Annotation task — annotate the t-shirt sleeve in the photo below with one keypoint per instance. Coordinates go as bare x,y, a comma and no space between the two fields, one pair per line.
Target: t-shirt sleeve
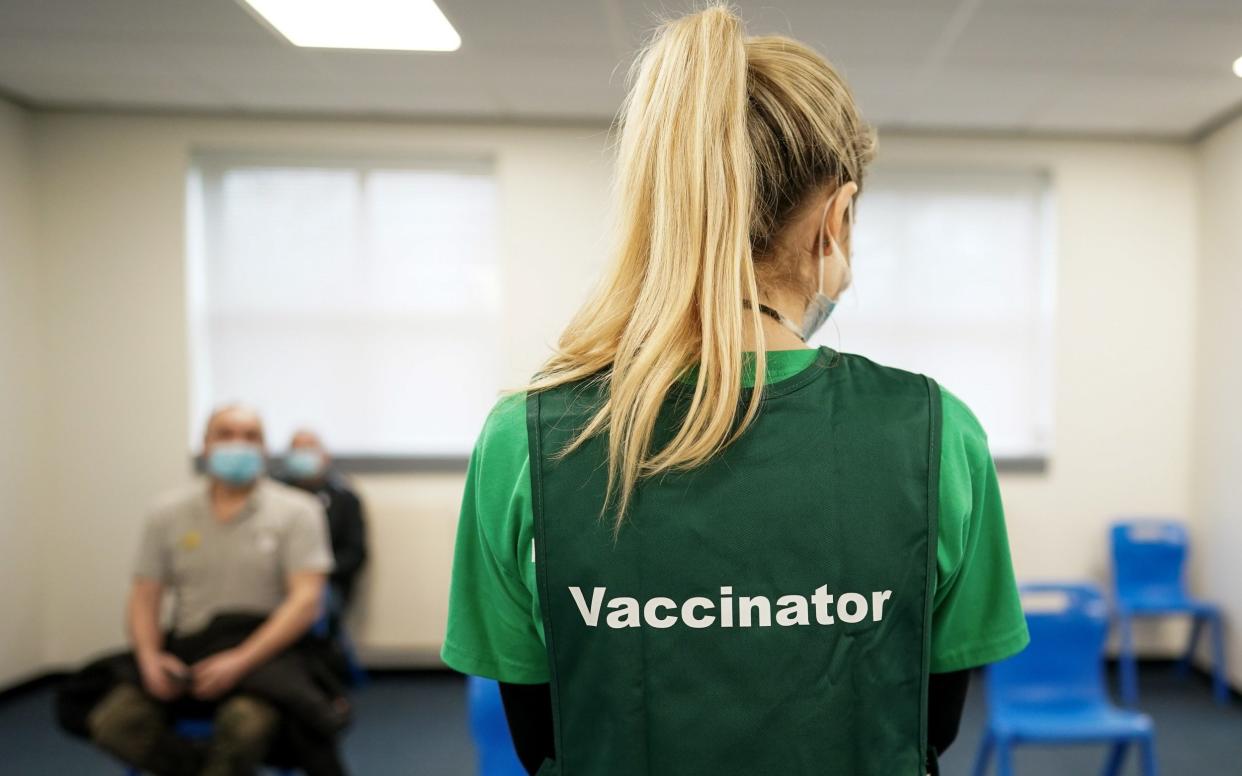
977,615
491,629
306,545
152,561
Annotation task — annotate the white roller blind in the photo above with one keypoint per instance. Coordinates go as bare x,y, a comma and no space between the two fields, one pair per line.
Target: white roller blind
360,299
953,277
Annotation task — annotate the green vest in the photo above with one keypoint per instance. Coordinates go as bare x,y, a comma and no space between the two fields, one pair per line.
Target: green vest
766,613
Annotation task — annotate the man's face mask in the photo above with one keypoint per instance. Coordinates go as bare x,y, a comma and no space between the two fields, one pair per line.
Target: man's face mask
236,463
304,464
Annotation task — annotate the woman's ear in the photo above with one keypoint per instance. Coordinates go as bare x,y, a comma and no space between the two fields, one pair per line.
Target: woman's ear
834,223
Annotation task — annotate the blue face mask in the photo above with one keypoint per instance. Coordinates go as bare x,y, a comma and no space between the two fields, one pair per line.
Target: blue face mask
236,463
822,305
304,464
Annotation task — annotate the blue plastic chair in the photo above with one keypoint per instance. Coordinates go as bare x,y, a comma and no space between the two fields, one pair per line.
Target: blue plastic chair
490,730
1149,562
1054,691
199,730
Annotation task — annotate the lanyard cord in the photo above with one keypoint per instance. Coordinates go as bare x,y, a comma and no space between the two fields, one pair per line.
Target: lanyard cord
775,315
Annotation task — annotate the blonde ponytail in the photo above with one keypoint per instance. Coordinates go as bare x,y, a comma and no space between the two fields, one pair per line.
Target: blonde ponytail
702,187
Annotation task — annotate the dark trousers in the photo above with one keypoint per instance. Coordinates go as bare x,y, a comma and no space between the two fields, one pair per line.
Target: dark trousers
131,725
287,712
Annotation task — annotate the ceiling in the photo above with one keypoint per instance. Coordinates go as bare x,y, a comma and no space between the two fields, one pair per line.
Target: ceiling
1116,67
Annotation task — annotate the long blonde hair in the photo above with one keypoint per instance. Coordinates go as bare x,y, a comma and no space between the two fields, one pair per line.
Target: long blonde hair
723,140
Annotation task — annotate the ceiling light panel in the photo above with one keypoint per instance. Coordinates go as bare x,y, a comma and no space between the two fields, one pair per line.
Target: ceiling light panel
391,25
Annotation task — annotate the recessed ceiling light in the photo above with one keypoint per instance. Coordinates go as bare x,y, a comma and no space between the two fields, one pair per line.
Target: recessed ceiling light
1237,67
394,25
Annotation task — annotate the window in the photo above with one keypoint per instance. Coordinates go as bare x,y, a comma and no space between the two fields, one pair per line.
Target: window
953,278
359,298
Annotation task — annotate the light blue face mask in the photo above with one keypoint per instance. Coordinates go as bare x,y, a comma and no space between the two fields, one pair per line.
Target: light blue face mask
236,463
822,305
304,464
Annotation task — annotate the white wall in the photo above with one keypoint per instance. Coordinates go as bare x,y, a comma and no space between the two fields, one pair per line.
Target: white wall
1126,251
1218,440
111,195
21,388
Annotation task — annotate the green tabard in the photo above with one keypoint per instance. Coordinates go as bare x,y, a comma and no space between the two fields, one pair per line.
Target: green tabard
766,613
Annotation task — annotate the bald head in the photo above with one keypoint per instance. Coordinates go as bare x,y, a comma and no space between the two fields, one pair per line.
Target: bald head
305,439
233,423
307,460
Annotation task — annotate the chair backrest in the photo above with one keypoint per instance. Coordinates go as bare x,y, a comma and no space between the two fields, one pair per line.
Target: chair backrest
1149,559
492,741
1064,664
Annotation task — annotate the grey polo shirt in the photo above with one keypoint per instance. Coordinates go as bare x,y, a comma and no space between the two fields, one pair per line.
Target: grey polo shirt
242,565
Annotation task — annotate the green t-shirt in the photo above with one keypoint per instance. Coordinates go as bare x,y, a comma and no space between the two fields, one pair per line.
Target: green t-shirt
495,627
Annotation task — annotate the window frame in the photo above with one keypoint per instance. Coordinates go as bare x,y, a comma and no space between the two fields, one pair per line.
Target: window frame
204,170
1036,463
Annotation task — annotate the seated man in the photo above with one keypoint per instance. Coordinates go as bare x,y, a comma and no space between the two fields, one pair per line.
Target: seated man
309,467
245,559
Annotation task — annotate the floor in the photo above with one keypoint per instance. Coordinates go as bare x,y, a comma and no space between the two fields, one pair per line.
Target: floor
416,724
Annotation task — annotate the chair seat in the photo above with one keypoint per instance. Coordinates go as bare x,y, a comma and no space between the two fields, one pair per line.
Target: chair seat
1090,722
1166,604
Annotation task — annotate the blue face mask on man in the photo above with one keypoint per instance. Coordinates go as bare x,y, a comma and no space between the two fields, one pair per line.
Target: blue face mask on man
236,463
304,464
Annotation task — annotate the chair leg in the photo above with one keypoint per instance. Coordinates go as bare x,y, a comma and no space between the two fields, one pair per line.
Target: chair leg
1196,628
984,754
1116,758
1128,665
1220,685
357,674
1004,758
1147,749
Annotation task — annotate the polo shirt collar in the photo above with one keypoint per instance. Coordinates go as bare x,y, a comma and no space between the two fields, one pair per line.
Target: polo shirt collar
253,501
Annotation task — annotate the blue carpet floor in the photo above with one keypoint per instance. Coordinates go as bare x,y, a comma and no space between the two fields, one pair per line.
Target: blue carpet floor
416,724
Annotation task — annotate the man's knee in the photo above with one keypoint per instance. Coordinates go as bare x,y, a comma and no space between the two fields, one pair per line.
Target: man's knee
245,721
126,722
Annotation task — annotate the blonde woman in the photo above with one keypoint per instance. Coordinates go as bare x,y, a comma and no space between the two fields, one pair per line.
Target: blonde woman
694,545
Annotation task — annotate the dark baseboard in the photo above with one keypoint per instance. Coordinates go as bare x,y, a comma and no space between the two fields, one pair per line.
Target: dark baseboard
1198,672
50,679
34,684
407,673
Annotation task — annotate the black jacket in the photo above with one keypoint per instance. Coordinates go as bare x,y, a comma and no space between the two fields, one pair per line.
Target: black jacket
347,527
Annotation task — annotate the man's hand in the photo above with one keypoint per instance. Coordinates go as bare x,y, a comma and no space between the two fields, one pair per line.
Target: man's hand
163,675
218,674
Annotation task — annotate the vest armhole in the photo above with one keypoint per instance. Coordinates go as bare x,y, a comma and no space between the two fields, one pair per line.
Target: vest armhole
934,411
534,433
